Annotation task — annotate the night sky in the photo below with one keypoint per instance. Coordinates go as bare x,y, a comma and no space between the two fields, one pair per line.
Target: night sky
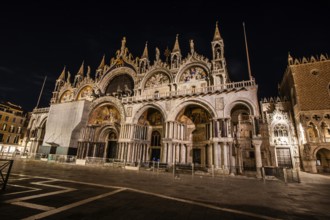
39,37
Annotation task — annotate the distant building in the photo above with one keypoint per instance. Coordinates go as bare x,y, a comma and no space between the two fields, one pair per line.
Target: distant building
306,82
12,119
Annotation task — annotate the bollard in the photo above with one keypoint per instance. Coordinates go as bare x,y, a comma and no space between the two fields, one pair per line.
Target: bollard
174,170
153,166
285,175
263,173
212,170
298,176
193,171
157,167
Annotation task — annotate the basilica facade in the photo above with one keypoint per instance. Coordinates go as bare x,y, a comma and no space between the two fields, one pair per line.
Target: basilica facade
182,110
186,110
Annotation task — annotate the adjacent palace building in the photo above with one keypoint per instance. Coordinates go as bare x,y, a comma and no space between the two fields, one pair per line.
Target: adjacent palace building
187,110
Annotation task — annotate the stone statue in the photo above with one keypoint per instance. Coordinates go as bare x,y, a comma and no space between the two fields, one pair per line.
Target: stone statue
88,72
127,91
192,47
123,44
157,54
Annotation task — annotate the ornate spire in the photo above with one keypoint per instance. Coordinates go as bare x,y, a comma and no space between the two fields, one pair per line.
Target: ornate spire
290,59
102,64
176,47
68,79
62,76
145,51
81,69
217,35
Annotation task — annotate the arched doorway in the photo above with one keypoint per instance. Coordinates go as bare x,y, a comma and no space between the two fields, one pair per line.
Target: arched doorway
111,146
194,124
323,161
242,153
99,137
150,128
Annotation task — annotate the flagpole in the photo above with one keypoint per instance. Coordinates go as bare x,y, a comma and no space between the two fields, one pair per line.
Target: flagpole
42,89
247,53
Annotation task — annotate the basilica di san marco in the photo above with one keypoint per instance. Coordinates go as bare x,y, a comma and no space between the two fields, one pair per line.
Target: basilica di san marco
178,110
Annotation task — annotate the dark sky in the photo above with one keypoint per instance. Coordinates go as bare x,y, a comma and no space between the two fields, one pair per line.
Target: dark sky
38,38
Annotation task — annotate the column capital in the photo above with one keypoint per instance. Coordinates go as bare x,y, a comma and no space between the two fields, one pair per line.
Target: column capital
257,142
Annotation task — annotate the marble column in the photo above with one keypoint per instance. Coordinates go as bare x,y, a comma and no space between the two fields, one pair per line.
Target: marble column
257,145
164,153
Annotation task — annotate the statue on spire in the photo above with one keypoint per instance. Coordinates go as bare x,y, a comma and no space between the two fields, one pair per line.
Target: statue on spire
192,47
157,54
123,45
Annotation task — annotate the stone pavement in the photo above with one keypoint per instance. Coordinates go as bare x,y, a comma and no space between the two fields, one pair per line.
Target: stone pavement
59,191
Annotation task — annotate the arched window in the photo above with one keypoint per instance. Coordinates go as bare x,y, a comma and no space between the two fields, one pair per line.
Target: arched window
280,130
155,138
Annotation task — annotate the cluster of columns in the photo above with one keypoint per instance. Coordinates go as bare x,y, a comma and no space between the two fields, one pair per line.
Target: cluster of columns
133,131
176,130
134,144
133,152
90,149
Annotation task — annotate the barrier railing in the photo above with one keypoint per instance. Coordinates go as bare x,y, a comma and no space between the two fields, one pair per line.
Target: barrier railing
5,168
287,175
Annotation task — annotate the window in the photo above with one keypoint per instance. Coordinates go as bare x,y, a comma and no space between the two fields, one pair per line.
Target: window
0,117
14,119
7,118
315,72
19,130
8,139
16,140
4,127
1,137
280,130
12,129
21,121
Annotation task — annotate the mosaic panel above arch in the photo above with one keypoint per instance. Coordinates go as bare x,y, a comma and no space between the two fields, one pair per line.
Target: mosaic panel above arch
193,73
85,93
105,114
66,96
156,80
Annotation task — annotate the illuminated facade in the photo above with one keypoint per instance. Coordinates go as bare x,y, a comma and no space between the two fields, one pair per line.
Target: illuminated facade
182,110
12,121
306,82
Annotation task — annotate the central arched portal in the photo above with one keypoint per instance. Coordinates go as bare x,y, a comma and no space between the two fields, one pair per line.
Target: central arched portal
152,121
194,134
99,138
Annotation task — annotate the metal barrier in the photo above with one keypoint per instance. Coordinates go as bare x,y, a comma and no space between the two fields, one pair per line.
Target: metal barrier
5,168
284,174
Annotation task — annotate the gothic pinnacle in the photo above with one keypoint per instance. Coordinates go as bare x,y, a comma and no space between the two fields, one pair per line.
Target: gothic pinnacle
62,76
145,51
81,69
102,64
176,47
217,35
